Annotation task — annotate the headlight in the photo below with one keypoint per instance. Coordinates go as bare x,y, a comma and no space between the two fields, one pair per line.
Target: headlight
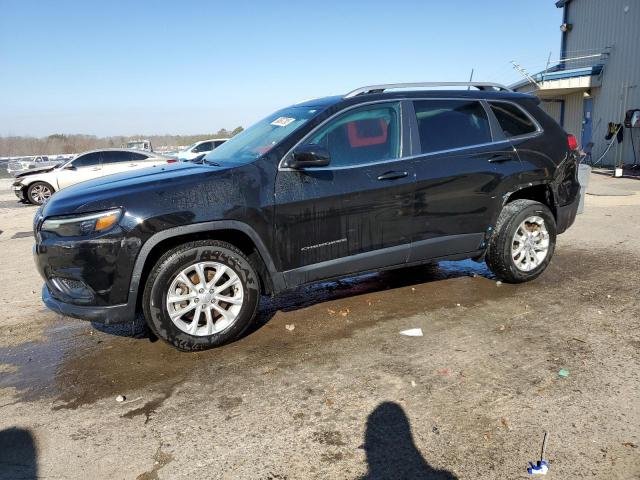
82,225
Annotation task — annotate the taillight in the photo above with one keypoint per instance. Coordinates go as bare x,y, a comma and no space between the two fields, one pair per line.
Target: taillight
172,160
572,142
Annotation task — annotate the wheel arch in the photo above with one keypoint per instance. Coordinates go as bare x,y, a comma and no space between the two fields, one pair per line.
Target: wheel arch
541,192
239,234
27,186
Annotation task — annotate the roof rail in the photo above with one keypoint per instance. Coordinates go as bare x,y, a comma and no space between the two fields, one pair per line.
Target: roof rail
382,88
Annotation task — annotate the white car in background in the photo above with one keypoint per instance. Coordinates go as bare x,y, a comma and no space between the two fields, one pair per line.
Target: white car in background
36,187
198,148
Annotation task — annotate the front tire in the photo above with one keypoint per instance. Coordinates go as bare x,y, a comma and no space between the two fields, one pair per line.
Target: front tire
39,192
201,295
523,241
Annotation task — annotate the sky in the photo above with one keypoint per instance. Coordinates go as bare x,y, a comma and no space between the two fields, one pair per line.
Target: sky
187,67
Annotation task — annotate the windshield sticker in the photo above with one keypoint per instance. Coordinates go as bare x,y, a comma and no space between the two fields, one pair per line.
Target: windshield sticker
282,121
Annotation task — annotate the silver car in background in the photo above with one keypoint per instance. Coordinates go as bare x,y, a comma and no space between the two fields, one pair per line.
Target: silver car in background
21,165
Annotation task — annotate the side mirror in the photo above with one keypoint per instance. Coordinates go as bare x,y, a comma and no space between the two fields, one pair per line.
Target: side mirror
199,158
310,155
70,167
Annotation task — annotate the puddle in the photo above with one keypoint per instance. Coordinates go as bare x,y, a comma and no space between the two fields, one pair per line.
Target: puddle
78,364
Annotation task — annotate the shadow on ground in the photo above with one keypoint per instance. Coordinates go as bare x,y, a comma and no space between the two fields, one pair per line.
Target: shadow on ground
18,456
391,452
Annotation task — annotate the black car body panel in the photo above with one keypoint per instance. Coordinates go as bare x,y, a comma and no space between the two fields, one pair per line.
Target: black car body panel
312,224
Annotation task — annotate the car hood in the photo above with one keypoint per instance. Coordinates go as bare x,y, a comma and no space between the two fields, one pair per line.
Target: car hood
107,191
35,170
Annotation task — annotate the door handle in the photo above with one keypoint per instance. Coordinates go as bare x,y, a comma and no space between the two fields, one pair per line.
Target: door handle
133,164
500,158
392,175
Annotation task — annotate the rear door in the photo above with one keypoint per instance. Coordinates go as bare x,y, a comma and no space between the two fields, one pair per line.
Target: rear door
356,213
117,161
460,176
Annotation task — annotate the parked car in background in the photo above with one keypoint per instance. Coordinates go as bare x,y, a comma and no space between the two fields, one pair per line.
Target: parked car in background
39,162
375,179
200,148
140,145
37,186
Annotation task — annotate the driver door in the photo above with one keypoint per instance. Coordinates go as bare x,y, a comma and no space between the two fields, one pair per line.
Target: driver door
85,167
354,214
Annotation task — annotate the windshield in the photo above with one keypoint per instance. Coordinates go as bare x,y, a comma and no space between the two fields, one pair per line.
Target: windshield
262,136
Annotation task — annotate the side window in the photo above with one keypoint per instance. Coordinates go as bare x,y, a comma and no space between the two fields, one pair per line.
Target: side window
217,144
135,156
115,156
204,147
447,124
513,121
88,160
364,135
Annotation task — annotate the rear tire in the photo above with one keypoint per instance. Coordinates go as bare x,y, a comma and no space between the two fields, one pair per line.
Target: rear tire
218,307
523,241
39,192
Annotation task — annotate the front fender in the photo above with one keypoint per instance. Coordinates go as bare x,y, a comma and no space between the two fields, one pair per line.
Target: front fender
277,278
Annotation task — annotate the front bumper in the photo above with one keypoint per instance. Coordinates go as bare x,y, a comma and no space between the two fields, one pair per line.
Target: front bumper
103,314
19,192
566,215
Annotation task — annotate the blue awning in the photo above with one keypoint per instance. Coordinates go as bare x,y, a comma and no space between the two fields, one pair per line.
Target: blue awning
572,73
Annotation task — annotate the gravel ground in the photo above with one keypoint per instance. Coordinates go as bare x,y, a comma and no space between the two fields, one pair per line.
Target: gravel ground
342,394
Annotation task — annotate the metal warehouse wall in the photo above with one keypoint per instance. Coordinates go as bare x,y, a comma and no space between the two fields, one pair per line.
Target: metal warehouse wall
598,24
573,114
553,109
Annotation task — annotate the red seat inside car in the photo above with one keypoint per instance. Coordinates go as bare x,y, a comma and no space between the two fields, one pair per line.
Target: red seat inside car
368,132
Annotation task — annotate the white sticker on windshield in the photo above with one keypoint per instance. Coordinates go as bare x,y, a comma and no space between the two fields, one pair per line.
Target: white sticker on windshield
282,121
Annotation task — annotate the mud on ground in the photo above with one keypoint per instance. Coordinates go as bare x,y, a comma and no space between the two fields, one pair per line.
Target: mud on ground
342,394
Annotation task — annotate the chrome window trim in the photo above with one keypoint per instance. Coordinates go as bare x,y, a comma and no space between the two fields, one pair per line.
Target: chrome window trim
508,140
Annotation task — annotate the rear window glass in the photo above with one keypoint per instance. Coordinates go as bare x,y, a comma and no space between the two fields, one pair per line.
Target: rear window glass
114,156
88,160
514,122
138,156
448,124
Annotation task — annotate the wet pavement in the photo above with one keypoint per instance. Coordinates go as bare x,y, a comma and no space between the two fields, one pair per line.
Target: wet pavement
79,363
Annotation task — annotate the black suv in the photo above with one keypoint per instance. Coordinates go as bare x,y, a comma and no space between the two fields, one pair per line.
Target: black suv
384,177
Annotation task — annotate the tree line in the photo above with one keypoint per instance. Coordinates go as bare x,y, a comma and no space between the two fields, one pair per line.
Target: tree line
58,144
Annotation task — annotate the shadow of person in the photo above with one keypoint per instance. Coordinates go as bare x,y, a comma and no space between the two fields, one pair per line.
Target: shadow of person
391,453
17,455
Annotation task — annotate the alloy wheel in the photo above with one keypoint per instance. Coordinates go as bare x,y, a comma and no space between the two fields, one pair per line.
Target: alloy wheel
530,244
40,193
205,298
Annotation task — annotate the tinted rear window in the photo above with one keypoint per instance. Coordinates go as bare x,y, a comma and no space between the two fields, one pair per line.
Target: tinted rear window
114,156
138,156
513,121
447,124
88,160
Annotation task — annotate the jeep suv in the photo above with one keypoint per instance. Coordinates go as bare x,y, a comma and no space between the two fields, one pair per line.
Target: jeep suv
384,177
